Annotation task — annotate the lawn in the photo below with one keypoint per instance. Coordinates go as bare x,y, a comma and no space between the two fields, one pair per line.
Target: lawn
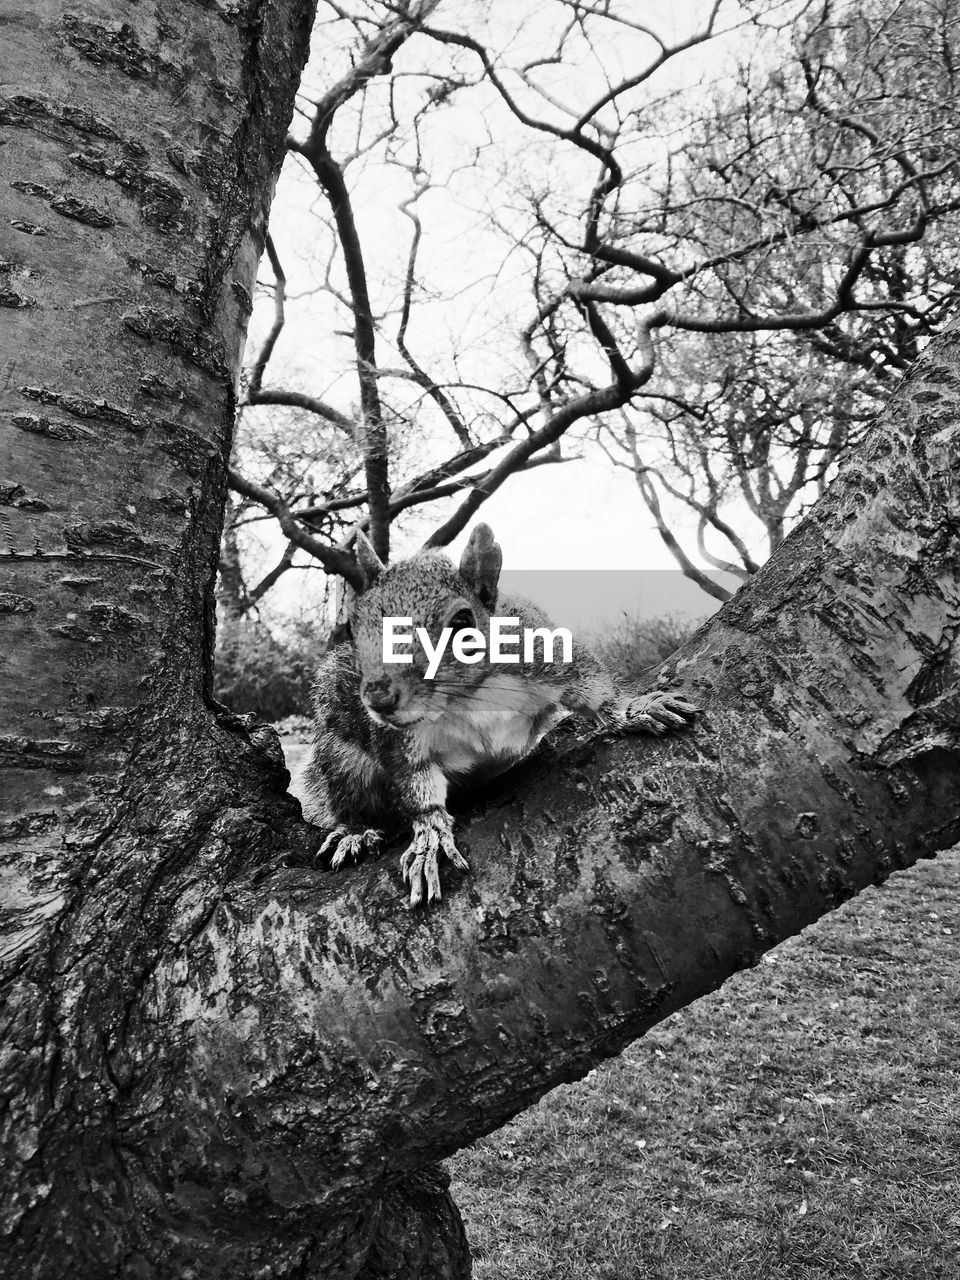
801,1122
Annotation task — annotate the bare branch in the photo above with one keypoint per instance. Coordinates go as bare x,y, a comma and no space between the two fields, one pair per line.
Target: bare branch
665,54
266,351
726,566
297,400
373,61
420,376
594,402
266,582
333,559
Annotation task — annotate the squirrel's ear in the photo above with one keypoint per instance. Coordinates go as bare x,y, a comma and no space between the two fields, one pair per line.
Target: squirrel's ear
480,565
368,562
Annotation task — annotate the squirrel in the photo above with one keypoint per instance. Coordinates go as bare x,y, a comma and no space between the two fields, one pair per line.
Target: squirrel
390,738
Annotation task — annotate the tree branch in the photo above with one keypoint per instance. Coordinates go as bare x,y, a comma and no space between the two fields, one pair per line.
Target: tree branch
825,759
279,295
651,501
598,401
420,376
332,558
374,435
297,400
374,60
266,582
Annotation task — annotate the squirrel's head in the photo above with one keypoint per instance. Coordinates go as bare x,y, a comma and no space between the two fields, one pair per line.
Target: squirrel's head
435,595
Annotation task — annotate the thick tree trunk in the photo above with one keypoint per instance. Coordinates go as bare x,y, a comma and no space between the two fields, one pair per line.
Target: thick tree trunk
213,1066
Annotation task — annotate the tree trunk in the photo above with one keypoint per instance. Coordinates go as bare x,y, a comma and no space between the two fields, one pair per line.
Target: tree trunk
216,1065
232,591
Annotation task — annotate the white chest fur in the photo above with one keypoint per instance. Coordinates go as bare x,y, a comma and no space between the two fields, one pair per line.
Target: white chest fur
497,724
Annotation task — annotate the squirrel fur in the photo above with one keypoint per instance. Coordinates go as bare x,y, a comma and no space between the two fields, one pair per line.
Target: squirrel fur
389,742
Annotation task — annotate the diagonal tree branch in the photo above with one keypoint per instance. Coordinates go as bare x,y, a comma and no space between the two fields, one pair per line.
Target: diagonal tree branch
333,559
585,406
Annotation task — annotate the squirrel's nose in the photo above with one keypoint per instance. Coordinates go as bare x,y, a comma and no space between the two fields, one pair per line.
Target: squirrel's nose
381,695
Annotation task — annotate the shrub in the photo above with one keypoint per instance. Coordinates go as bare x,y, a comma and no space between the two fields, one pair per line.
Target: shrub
634,644
258,671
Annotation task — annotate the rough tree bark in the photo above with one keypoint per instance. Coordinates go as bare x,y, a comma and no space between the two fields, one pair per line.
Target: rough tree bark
215,1066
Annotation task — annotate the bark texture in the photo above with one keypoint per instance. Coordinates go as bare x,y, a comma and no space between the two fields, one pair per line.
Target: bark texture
213,1064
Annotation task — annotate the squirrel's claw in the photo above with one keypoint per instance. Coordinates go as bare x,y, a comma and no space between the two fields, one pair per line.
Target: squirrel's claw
420,862
347,844
657,712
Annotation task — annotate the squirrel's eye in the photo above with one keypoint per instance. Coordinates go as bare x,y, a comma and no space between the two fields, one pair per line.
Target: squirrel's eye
461,620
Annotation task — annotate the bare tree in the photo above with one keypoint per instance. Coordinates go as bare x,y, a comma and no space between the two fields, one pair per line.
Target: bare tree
370,436
218,1064
837,171
723,281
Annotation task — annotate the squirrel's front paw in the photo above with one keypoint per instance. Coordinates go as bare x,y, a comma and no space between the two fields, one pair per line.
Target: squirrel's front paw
419,864
657,712
344,844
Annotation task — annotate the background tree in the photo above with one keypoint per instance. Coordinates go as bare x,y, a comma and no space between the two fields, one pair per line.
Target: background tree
213,1064
721,243
840,166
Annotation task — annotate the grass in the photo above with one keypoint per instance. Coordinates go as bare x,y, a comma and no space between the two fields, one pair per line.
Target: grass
802,1122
